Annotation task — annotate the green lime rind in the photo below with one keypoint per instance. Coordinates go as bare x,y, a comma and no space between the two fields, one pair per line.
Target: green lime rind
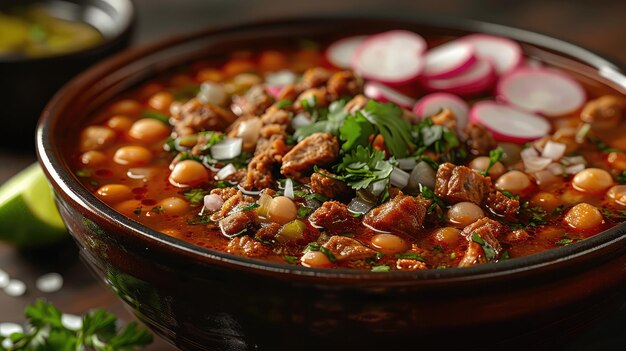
28,214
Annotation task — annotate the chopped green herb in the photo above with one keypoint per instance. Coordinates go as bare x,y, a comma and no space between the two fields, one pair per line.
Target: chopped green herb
195,196
262,241
158,209
381,268
283,103
494,157
223,184
291,259
536,215
155,115
453,255
246,207
330,124
363,167
396,131
328,253
427,193
437,248
170,145
490,253
199,220
188,156
311,247
613,214
411,256
84,173
558,211
239,233
186,92
355,131
349,235
602,146
621,178
304,211
564,242
137,211
505,256
510,195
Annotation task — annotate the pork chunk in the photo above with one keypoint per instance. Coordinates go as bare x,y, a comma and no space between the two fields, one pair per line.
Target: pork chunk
344,83
344,248
479,140
194,117
459,183
247,246
334,217
503,205
403,214
488,231
254,102
268,153
316,149
445,118
239,223
328,187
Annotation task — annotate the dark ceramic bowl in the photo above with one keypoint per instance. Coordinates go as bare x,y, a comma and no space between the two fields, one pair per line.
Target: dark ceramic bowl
29,83
200,299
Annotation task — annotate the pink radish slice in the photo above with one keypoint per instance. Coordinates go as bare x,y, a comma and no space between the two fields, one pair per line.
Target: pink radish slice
541,90
480,77
508,123
274,90
393,58
448,60
504,53
384,93
431,104
340,52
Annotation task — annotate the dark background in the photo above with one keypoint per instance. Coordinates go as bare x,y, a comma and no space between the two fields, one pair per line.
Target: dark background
597,25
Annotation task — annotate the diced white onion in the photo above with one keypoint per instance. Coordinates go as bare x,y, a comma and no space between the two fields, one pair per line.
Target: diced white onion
399,178
529,152
211,93
556,168
213,202
545,177
289,189
422,174
227,148
360,206
300,120
573,160
226,172
407,164
553,150
249,130
6,329
15,288
248,192
49,283
574,169
282,77
377,188
71,322
536,163
4,279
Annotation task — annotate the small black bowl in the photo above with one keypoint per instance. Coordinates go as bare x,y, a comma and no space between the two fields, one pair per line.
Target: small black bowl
28,83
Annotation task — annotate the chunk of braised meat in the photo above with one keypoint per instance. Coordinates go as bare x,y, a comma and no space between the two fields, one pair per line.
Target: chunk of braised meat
239,223
357,103
503,206
254,102
315,150
403,213
225,193
247,246
516,236
273,129
334,217
194,117
314,78
445,118
275,115
268,231
479,140
268,153
344,83
288,92
488,230
229,204
344,248
314,97
459,183
327,186
410,265
605,112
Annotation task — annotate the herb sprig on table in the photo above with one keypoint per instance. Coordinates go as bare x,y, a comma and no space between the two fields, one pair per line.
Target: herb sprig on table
98,331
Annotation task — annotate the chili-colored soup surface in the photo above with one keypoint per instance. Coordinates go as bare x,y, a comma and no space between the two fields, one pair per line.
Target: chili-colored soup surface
278,155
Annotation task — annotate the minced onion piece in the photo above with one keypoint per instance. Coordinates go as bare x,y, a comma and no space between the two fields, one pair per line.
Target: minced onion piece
300,120
227,148
248,192
249,130
49,283
226,172
535,163
574,169
4,279
6,329
422,174
211,93
528,152
213,202
545,177
289,189
399,178
377,188
15,288
407,164
71,321
360,206
553,150
573,160
556,168
282,77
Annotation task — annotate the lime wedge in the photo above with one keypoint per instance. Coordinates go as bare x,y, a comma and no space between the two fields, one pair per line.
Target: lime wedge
28,214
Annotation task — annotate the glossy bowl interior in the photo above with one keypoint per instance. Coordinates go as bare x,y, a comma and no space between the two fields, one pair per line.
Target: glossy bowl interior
202,299
29,83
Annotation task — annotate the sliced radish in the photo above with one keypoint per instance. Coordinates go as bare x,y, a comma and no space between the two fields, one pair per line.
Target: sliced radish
477,79
431,104
505,54
274,90
384,93
393,57
449,60
508,123
340,52
541,90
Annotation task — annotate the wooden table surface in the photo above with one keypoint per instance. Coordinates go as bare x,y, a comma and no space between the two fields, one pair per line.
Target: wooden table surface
598,25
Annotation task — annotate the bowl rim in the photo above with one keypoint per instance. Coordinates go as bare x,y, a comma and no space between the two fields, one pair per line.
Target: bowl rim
63,179
129,11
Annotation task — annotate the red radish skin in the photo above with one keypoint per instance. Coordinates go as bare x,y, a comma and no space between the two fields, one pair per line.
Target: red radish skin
431,104
479,78
340,53
507,123
274,90
384,93
393,58
449,60
541,90
505,54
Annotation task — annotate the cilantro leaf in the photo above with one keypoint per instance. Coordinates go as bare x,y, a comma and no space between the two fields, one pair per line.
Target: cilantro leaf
155,115
363,167
355,131
381,268
494,157
411,256
387,117
490,252
195,196
334,119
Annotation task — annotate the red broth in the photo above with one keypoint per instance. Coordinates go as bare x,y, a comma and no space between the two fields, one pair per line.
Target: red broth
130,156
